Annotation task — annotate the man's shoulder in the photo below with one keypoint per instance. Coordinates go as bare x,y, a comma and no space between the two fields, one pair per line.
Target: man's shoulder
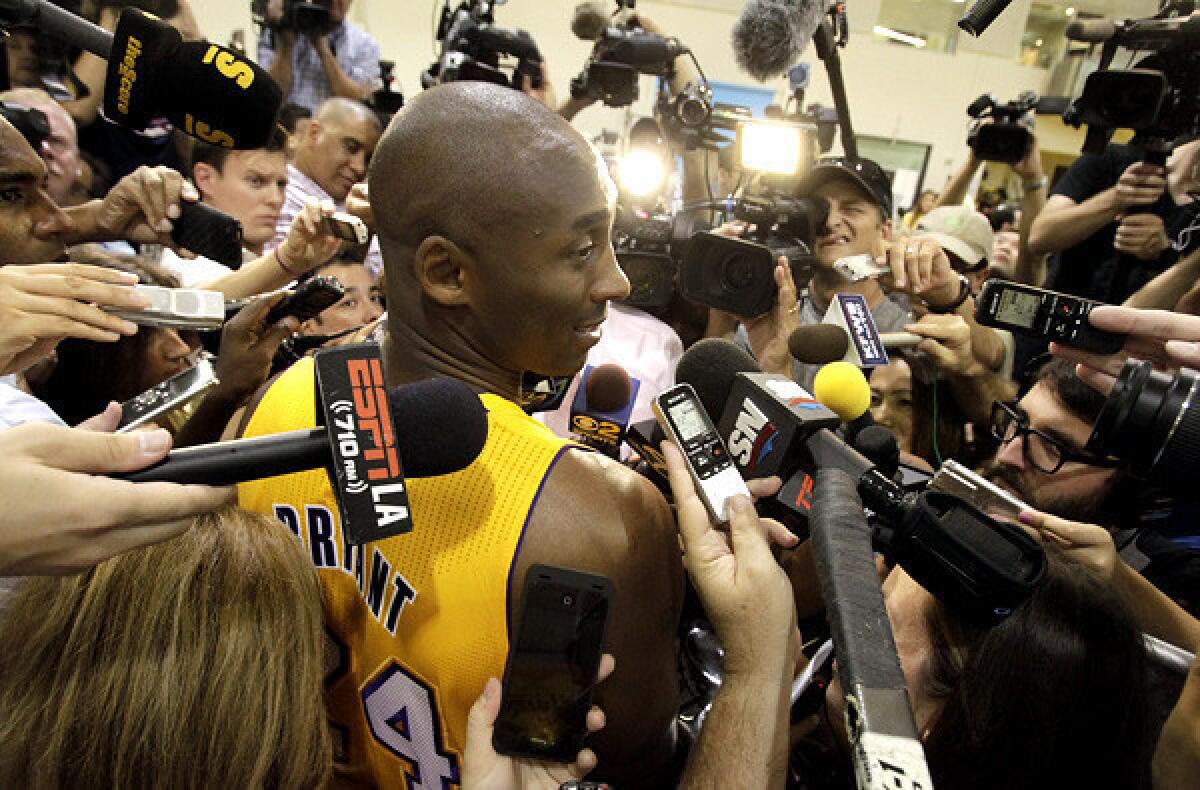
592,486
358,36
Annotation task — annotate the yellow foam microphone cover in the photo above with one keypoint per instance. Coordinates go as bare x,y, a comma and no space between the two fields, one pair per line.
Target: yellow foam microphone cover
842,387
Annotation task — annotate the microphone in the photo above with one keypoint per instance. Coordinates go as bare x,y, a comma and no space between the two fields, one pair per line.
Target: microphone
770,35
590,21
821,344
602,405
1091,31
210,92
646,438
981,15
440,427
844,389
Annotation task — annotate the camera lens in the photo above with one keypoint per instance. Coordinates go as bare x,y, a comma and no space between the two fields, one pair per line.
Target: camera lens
568,600
737,272
1149,421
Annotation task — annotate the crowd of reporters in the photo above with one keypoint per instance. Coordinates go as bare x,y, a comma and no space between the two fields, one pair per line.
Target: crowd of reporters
1060,691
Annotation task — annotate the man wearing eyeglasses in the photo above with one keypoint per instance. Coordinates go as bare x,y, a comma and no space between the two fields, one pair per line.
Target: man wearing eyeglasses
1041,457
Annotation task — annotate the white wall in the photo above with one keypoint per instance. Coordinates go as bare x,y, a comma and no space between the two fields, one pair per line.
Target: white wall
894,90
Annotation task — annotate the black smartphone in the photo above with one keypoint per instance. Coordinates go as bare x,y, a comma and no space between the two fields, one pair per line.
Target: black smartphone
309,299
1048,315
206,231
552,664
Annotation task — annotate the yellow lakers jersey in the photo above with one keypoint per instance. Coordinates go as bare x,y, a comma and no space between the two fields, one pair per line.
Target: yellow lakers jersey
419,619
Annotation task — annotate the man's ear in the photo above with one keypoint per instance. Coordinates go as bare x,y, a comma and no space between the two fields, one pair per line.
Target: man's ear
310,132
204,174
888,230
442,269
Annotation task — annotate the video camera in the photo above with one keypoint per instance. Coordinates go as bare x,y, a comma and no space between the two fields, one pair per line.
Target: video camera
1007,137
738,274
650,247
31,122
472,47
385,100
305,17
620,55
1159,98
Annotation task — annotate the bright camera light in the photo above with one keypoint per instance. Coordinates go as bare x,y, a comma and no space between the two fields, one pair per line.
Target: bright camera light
770,147
641,173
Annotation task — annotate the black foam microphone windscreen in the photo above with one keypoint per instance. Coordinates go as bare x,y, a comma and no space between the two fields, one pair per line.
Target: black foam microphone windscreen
206,90
590,21
608,388
440,427
818,344
710,366
770,35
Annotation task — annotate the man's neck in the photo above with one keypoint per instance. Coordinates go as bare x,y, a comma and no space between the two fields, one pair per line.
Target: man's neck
409,357
826,283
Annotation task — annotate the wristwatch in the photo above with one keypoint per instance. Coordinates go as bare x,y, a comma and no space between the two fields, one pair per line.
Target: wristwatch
964,291
1033,186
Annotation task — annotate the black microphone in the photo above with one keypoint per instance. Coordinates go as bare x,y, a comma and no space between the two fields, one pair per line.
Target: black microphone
770,35
981,15
590,21
440,427
210,92
878,444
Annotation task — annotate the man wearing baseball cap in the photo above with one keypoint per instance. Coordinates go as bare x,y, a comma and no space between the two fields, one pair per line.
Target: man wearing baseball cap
860,222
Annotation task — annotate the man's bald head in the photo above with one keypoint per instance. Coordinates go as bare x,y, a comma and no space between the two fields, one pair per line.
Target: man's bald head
468,161
336,146
495,219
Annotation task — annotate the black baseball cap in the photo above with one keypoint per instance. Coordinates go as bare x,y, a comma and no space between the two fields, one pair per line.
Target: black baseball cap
864,173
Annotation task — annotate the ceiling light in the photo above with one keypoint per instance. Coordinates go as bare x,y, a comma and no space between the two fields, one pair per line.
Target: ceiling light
896,35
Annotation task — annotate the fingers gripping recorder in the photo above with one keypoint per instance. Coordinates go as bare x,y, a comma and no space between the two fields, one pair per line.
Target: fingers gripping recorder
369,439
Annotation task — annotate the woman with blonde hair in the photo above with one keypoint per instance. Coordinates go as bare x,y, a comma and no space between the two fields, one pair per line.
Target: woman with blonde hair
193,663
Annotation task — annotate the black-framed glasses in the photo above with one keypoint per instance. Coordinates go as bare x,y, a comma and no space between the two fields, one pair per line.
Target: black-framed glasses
1043,451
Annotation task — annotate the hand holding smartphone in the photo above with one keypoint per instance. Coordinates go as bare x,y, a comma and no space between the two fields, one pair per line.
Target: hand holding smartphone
1044,314
552,664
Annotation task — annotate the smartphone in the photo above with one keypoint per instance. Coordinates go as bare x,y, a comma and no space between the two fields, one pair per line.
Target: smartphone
346,227
206,231
171,403
310,298
552,664
860,267
178,308
684,420
1044,314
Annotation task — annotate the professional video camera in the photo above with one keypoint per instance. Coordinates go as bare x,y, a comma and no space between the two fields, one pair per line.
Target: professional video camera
1151,421
649,247
1159,98
738,274
620,55
299,16
1006,138
386,100
472,46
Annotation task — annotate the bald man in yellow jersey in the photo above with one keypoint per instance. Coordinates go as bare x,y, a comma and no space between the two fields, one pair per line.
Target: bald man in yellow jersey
494,217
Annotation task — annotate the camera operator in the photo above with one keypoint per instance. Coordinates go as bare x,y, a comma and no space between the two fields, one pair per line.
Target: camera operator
1115,203
1027,266
859,222
342,60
